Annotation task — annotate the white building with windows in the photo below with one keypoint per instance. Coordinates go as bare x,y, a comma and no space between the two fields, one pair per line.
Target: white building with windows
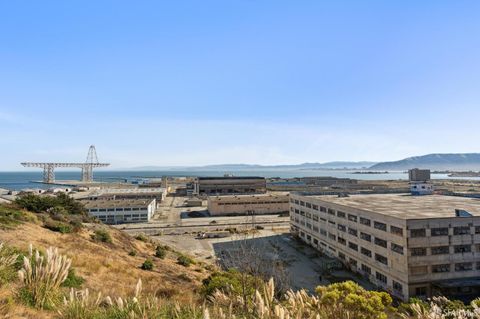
408,245
121,211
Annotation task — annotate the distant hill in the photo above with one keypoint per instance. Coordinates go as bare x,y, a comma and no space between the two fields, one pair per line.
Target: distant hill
452,162
230,167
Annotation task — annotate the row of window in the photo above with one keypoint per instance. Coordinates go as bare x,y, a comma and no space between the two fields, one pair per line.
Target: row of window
252,203
442,250
353,232
443,231
94,210
351,217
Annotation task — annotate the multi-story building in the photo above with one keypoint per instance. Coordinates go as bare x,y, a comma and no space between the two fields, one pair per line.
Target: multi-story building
248,204
156,193
228,185
408,245
121,211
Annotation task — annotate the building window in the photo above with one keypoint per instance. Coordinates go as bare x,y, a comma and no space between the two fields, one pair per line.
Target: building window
342,227
442,231
332,236
341,214
352,218
366,269
418,251
365,221
379,225
441,268
380,242
302,203
381,277
353,262
353,246
463,266
477,229
297,202
366,237
341,256
308,205
315,207
397,286
315,218
440,250
315,228
381,259
352,232
331,211
418,270
323,209
421,291
462,249
342,241
396,248
462,230
414,233
396,230
366,252
323,232
331,222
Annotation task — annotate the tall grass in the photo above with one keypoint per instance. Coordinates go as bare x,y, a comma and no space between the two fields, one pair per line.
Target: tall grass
7,264
42,276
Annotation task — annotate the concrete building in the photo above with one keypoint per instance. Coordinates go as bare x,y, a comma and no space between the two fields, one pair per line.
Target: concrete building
121,211
420,182
156,193
228,185
409,245
248,204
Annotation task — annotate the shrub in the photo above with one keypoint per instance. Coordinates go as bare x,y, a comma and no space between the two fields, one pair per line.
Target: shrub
147,264
132,253
142,237
58,227
231,280
41,277
160,252
102,235
72,280
11,216
185,260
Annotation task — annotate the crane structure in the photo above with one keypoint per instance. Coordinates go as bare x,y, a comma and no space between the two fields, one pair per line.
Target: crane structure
87,167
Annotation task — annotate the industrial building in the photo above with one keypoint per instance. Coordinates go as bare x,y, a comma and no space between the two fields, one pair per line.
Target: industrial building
420,183
121,211
228,185
408,245
248,204
156,193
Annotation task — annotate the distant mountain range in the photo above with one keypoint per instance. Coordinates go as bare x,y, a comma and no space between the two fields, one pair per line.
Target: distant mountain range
452,162
237,167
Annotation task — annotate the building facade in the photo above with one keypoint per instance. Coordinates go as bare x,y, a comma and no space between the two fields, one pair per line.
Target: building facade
248,204
407,245
121,211
228,185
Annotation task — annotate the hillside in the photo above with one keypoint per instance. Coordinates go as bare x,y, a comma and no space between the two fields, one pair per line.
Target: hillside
110,268
452,162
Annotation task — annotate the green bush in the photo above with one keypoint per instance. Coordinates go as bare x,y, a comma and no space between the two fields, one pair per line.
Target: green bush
142,237
185,260
11,216
147,264
132,253
160,252
58,227
102,235
229,280
73,281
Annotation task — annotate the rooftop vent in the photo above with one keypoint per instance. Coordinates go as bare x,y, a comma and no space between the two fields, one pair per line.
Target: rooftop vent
462,213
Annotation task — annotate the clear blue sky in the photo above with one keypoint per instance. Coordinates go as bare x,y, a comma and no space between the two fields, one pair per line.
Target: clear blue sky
208,82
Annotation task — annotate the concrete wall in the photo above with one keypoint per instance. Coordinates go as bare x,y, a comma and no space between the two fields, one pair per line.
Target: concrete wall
243,204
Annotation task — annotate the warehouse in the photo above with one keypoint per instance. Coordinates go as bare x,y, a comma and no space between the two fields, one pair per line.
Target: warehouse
121,211
248,204
408,245
228,185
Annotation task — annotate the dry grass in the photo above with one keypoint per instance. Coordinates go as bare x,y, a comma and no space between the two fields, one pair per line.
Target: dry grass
108,268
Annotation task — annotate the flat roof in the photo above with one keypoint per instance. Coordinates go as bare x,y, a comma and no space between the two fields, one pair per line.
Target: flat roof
207,178
406,206
146,190
123,203
230,197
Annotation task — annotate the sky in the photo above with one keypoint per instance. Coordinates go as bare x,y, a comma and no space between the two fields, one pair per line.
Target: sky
173,83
